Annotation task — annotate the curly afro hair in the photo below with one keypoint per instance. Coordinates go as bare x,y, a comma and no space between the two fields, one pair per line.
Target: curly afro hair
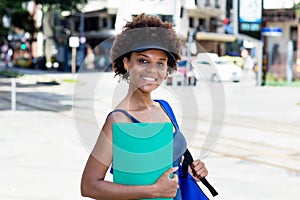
145,29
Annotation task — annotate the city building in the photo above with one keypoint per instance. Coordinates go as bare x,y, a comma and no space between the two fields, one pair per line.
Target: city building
102,19
209,22
276,45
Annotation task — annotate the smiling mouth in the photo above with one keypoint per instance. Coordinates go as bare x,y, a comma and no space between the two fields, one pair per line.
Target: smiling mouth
148,78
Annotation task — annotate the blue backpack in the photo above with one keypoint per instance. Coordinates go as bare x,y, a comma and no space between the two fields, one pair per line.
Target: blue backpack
190,189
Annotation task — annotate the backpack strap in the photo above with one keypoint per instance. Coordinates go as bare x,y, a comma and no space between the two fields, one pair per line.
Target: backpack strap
169,111
188,160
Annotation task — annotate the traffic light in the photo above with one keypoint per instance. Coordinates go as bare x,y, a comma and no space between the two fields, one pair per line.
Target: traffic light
23,46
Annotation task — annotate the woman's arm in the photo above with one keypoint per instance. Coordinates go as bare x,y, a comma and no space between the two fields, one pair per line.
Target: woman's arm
93,184
98,188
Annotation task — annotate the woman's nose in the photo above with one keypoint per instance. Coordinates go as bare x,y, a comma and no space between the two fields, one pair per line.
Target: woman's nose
150,67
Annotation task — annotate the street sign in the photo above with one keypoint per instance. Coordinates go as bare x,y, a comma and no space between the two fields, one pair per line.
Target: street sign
271,31
74,42
250,18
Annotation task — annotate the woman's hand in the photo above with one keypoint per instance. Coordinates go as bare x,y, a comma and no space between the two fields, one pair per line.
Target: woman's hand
198,170
166,186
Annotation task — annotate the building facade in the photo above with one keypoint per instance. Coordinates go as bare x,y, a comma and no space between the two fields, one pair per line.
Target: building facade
277,49
102,19
206,20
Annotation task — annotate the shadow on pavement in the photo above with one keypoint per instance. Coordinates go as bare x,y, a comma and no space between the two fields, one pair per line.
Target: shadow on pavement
36,101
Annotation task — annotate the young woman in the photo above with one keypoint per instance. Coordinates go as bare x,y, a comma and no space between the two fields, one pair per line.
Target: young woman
143,53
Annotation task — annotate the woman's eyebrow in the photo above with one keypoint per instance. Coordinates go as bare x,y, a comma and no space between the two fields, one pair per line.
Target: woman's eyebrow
141,54
164,59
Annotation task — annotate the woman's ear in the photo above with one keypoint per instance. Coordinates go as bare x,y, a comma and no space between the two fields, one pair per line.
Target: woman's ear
125,62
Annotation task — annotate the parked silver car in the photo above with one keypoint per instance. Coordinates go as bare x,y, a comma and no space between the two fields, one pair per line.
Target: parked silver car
211,67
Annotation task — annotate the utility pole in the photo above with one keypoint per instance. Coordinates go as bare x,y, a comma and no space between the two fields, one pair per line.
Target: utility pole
82,38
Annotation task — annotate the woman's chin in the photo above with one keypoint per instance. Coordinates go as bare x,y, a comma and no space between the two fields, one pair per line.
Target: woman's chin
148,87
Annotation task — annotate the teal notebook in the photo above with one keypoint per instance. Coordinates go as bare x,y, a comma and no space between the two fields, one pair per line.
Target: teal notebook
142,152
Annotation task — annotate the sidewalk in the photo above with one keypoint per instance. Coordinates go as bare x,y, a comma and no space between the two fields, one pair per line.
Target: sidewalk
43,158
43,155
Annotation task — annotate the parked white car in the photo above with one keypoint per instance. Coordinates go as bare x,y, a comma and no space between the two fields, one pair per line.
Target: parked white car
209,66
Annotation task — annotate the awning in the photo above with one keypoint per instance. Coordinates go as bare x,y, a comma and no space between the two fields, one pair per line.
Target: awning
104,33
219,37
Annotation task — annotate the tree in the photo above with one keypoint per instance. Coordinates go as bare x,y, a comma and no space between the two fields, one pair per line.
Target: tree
297,9
71,5
19,17
49,7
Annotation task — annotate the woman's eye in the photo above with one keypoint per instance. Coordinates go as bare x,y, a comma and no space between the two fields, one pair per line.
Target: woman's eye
143,61
160,64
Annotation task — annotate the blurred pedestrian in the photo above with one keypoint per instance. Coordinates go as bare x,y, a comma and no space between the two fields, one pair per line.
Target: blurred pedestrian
89,60
249,66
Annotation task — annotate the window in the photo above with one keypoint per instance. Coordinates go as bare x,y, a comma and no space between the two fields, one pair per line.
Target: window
91,24
217,5
191,22
113,21
207,3
213,24
168,18
294,36
201,25
104,23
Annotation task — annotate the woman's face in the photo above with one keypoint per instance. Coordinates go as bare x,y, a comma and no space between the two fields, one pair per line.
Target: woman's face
147,69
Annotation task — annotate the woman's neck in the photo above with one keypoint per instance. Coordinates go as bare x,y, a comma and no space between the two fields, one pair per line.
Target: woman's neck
138,100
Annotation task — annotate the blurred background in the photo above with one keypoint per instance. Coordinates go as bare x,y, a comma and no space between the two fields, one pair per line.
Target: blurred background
36,34
248,48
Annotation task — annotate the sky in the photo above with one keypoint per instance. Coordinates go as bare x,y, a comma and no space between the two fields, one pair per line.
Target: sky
270,4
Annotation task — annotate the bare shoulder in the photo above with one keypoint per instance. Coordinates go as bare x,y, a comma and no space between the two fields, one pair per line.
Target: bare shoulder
116,117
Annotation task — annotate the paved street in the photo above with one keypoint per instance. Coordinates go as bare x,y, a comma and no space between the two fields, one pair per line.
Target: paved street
44,144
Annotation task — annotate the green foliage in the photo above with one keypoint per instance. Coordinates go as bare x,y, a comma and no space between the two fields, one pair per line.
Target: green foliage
6,7
273,80
23,20
3,31
70,5
297,8
20,17
70,80
10,73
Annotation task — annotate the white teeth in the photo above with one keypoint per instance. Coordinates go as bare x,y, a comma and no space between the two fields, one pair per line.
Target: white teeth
149,79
